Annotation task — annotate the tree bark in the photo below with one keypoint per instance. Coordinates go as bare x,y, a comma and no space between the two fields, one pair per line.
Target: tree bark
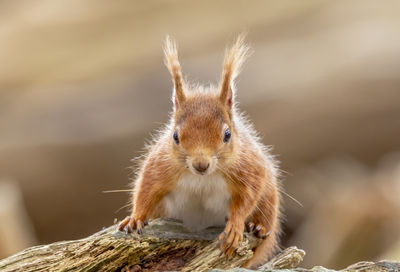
165,245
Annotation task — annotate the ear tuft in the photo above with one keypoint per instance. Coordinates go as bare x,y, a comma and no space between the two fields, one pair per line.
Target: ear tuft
172,63
233,61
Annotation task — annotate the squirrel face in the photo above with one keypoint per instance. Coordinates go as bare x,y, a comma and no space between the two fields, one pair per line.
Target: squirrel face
204,136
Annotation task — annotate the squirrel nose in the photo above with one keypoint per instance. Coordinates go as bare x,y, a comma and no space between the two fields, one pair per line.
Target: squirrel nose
201,166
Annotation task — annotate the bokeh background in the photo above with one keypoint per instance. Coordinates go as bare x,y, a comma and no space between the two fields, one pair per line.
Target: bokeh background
82,85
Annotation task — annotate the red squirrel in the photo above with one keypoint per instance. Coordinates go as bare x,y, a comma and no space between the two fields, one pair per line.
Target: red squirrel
208,167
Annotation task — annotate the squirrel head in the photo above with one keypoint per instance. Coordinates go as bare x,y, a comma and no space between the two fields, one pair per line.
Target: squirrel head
203,136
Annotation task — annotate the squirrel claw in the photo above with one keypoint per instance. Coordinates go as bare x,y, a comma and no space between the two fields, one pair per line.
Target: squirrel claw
250,227
139,226
123,223
131,224
129,229
229,240
258,230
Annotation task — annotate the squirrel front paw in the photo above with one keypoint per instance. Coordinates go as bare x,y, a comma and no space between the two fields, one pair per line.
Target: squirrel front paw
257,229
131,224
230,238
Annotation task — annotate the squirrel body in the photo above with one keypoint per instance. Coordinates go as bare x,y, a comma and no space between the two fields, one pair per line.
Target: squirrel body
208,167
199,201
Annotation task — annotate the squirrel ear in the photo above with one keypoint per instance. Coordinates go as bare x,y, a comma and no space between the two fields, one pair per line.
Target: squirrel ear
172,63
234,58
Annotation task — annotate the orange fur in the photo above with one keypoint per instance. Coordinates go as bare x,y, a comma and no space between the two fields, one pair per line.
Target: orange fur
196,134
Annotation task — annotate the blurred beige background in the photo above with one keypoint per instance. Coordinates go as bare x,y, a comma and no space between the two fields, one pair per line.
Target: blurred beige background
82,85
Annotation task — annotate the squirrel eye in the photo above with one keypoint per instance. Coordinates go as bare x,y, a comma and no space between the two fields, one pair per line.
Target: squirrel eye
227,135
176,138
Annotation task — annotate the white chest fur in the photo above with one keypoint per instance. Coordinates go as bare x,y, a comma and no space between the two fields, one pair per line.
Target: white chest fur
199,201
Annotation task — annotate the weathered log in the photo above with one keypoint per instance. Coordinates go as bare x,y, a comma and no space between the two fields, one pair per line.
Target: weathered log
165,245
290,258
